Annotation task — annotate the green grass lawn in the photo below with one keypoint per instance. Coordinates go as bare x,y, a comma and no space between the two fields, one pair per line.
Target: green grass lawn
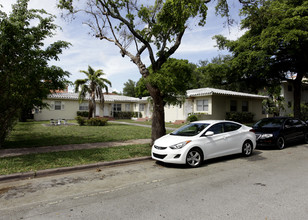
34,162
35,134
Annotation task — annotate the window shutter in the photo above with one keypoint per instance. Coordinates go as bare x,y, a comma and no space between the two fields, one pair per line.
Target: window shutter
62,105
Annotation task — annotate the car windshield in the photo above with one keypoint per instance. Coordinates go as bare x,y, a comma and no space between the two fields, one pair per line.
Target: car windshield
270,123
190,129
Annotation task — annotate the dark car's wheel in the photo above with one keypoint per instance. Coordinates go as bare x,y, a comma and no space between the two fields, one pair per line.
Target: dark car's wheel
247,148
194,157
280,143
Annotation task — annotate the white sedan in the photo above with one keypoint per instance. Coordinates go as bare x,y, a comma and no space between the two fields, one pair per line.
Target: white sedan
201,140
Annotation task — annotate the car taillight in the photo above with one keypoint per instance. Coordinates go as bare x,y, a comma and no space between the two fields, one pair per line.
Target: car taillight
252,130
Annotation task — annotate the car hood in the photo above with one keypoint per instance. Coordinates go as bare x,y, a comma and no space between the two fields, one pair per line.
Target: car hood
169,140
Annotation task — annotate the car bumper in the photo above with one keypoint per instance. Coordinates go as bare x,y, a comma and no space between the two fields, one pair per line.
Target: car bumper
266,142
169,156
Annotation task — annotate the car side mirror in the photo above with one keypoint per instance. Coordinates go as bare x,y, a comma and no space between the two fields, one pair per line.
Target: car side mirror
209,133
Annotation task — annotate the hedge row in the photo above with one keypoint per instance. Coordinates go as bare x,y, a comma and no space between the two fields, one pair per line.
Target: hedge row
241,117
92,121
126,115
83,113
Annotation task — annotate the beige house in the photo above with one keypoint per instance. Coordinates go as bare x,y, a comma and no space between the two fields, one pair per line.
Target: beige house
214,104
208,102
66,105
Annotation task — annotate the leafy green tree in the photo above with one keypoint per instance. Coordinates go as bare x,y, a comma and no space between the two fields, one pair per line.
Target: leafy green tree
143,28
129,88
173,79
275,44
93,86
154,28
26,79
219,74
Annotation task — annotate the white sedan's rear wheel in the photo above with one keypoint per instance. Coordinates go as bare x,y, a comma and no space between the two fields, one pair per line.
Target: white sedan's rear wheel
247,148
194,158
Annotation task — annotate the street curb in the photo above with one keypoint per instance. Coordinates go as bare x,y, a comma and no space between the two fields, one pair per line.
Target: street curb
61,170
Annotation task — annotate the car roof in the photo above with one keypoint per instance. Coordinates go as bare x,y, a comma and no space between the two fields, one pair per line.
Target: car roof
213,121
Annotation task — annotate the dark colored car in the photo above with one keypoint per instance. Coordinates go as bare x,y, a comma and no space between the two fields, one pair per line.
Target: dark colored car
279,131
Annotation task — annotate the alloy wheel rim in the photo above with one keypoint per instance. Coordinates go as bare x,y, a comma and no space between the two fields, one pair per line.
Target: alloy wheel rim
247,149
193,158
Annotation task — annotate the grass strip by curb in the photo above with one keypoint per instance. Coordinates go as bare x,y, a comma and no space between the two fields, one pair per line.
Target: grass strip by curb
35,162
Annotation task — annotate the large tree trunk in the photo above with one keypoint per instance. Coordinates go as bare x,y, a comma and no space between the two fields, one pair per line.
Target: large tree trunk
158,118
297,94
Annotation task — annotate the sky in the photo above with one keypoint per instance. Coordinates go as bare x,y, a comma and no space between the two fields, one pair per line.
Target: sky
197,44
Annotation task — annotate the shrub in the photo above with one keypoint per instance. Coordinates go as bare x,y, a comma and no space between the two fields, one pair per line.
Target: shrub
81,120
126,115
96,121
83,113
241,117
192,118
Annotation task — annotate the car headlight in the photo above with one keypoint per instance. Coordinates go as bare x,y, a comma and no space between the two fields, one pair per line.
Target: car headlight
179,145
265,136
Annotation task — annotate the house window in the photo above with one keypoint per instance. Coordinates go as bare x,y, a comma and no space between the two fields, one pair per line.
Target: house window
57,105
141,107
289,104
203,105
83,107
233,106
245,106
117,107
127,107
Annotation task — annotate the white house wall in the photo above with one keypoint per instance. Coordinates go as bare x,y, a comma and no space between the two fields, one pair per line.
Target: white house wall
71,107
69,112
218,105
174,112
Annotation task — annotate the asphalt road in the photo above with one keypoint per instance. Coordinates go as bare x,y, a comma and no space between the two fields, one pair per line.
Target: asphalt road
269,185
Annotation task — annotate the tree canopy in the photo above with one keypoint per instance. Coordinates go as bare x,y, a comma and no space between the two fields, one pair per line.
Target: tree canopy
129,88
25,76
151,28
173,79
274,47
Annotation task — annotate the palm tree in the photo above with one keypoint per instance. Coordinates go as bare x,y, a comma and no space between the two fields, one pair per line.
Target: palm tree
92,85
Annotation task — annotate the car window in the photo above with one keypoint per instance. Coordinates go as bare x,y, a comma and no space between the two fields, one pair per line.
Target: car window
190,129
296,122
217,128
289,123
269,123
229,126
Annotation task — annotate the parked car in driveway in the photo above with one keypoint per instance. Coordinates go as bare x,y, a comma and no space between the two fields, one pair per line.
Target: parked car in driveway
279,131
201,140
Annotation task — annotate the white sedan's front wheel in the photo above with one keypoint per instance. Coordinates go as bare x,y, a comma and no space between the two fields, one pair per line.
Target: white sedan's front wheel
194,158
